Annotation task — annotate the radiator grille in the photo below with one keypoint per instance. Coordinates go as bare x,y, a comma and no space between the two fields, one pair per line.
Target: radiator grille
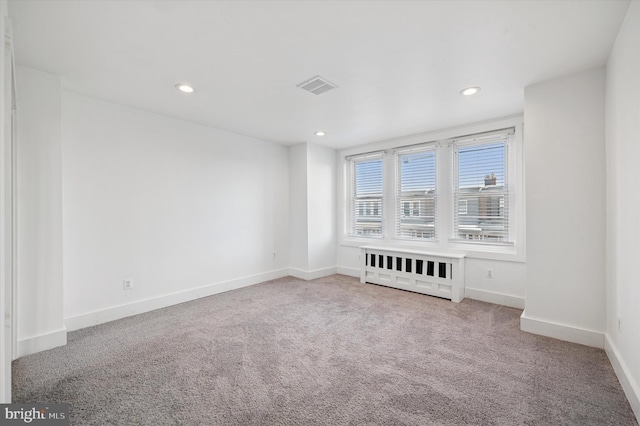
435,274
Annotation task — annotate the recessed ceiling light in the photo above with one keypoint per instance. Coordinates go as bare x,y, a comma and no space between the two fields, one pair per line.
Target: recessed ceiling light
469,91
319,133
184,88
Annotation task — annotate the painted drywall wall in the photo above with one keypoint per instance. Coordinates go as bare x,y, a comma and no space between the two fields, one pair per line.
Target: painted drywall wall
321,206
39,211
565,175
298,236
312,210
623,205
496,281
174,206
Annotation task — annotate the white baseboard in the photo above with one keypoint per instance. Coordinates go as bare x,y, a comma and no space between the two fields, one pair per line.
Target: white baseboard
496,298
42,342
629,385
122,311
562,331
312,275
351,272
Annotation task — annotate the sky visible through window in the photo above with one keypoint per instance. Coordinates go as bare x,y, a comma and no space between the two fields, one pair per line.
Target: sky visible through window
418,171
369,178
476,162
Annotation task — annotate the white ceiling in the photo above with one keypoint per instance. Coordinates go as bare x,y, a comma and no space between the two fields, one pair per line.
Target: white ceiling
399,65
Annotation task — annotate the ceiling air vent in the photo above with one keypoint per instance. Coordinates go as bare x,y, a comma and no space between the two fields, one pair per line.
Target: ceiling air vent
317,85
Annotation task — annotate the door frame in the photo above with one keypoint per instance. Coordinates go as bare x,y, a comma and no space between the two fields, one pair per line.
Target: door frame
8,205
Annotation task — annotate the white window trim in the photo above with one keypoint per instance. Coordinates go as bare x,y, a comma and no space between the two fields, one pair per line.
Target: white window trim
430,146
510,167
349,200
514,252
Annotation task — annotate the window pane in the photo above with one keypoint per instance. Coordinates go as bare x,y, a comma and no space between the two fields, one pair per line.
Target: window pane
369,177
367,197
482,192
480,165
416,203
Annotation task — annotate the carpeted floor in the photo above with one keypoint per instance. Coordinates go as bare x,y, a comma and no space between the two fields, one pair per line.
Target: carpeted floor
331,351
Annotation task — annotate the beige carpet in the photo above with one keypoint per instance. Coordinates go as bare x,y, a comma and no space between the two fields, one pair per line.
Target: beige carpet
327,352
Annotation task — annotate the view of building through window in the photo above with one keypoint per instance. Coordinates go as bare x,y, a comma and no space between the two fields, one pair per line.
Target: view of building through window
481,192
417,194
477,190
367,212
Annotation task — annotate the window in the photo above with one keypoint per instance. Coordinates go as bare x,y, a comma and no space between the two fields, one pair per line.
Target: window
416,193
366,189
451,193
481,189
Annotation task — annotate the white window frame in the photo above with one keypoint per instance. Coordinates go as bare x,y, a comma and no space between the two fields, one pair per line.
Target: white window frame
399,204
445,207
364,207
501,135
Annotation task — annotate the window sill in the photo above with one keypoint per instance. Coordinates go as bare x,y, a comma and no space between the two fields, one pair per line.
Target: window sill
350,241
500,252
503,252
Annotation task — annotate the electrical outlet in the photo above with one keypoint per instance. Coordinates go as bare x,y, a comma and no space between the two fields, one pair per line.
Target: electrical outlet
127,284
273,255
619,323
489,273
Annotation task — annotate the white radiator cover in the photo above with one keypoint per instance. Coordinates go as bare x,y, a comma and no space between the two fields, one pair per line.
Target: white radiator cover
433,273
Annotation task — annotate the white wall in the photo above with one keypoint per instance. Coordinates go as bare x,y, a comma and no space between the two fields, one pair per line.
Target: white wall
505,286
298,235
565,175
312,211
623,205
182,209
321,181
39,212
